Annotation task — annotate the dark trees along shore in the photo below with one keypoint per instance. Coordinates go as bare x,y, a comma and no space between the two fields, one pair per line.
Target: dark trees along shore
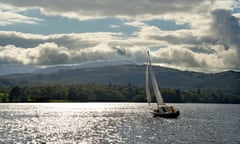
109,93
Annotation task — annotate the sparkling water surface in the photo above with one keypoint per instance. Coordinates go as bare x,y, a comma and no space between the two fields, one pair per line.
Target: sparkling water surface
117,123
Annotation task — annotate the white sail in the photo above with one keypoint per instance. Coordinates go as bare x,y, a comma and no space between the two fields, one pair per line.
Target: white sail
156,89
149,99
155,84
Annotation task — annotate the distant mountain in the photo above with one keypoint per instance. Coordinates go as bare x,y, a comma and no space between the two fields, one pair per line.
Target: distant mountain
84,65
23,69
128,74
16,69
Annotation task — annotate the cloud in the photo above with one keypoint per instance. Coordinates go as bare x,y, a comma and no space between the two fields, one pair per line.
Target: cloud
49,54
214,47
184,11
183,58
20,48
9,18
211,42
82,9
43,54
72,41
182,48
106,6
226,29
10,55
10,15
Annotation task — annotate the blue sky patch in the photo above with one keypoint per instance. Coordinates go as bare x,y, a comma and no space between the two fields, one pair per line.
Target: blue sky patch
59,25
167,25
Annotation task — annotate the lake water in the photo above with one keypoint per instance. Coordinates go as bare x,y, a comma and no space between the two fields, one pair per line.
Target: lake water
117,123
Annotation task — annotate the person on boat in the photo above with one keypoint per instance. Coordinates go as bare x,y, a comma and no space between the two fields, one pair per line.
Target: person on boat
172,109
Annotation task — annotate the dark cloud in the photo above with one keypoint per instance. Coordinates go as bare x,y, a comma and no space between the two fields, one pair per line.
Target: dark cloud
190,39
71,41
52,55
110,8
11,38
226,29
119,50
181,57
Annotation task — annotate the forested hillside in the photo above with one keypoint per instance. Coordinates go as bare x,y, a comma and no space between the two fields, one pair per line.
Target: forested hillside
134,74
119,83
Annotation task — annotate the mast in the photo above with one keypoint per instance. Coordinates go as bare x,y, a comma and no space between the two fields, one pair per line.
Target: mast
149,98
155,84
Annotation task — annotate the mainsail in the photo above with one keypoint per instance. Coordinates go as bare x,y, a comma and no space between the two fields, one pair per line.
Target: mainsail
154,83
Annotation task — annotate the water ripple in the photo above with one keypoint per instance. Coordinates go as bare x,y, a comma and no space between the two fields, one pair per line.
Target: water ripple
92,123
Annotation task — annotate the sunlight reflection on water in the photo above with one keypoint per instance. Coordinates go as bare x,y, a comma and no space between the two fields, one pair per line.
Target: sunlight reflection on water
115,123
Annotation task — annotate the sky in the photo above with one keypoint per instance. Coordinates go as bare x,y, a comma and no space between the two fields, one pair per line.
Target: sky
198,35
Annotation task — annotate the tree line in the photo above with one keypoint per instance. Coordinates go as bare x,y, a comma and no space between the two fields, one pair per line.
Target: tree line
110,93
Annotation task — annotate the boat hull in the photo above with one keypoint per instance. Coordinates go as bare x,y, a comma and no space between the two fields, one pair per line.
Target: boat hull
166,114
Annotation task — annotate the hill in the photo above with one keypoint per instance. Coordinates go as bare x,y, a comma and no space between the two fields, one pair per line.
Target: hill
128,74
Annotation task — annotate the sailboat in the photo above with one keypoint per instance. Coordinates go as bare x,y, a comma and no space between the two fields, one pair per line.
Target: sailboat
162,110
